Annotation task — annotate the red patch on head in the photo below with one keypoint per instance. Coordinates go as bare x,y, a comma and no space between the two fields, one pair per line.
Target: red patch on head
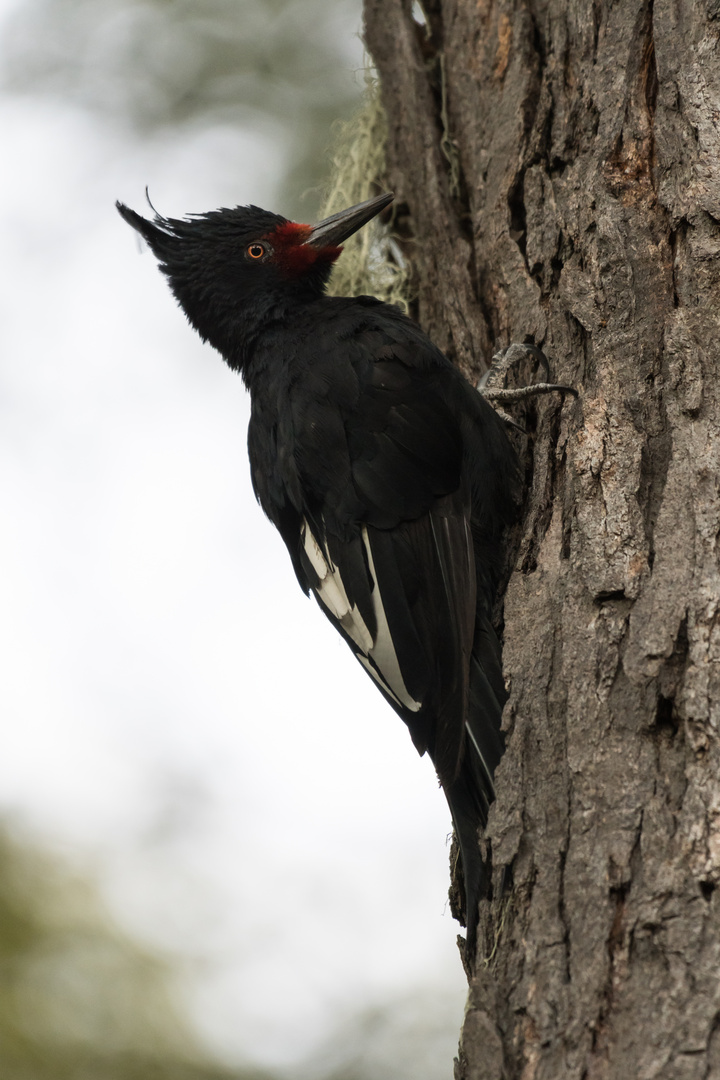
292,255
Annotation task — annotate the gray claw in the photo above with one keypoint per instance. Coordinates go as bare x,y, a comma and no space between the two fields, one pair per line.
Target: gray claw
501,364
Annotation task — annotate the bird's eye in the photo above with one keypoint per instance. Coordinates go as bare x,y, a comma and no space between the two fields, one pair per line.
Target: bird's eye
256,251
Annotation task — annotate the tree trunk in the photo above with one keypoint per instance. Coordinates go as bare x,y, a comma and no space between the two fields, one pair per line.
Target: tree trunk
560,165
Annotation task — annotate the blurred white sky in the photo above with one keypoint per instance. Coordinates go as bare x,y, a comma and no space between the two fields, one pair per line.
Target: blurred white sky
176,714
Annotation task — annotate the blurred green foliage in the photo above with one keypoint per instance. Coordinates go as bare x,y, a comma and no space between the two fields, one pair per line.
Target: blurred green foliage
79,1000
286,67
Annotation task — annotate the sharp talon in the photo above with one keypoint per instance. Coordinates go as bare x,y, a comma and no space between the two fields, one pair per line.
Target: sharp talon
509,420
501,363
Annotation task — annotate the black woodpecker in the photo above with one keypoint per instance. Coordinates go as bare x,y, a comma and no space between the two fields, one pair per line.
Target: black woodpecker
388,476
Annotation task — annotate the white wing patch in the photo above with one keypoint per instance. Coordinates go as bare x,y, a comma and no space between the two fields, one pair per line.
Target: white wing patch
385,668
383,650
331,592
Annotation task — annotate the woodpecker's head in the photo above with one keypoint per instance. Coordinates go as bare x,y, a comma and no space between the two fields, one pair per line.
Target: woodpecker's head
230,268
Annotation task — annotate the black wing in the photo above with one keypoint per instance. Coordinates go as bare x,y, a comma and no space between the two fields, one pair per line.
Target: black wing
389,477
386,542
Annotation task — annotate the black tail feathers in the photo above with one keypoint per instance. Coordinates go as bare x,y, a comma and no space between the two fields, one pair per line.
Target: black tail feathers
472,791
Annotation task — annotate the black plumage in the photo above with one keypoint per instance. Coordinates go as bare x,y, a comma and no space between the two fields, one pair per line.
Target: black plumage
388,476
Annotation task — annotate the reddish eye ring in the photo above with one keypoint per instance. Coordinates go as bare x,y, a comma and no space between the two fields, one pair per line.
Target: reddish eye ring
255,251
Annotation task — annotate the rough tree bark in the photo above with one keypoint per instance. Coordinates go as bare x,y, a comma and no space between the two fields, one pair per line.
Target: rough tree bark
560,165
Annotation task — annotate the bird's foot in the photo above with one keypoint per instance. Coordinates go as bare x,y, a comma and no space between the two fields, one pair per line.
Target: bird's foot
491,384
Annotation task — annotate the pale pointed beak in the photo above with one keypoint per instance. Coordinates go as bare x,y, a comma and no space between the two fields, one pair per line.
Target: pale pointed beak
333,230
